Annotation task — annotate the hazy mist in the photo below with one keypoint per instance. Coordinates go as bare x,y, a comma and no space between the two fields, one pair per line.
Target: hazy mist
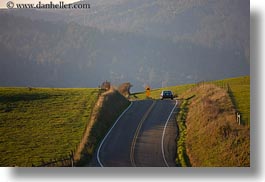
155,42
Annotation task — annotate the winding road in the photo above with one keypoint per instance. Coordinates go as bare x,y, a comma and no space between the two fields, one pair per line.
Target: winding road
143,136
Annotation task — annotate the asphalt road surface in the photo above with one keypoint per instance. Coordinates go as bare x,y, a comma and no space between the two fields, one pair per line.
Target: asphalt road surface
143,136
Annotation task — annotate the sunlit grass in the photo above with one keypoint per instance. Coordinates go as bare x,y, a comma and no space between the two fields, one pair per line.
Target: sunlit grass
41,124
214,138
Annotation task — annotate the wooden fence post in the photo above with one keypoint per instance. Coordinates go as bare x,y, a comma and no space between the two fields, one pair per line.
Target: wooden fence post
238,118
72,158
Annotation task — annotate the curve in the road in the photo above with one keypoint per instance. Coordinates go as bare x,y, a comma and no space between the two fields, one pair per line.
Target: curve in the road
100,163
148,149
143,135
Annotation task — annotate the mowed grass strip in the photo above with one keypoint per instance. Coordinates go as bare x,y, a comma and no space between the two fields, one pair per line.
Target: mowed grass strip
41,124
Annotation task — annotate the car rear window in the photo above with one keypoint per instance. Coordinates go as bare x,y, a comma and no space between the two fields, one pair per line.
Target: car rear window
167,92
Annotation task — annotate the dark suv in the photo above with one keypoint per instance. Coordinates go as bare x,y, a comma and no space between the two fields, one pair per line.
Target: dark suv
166,94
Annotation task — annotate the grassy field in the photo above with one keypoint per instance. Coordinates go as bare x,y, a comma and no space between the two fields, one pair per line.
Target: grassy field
41,123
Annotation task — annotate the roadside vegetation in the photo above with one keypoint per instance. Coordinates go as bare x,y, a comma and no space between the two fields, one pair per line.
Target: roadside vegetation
40,124
214,138
182,159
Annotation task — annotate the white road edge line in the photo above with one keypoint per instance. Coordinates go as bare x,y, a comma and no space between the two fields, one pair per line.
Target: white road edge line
162,142
101,165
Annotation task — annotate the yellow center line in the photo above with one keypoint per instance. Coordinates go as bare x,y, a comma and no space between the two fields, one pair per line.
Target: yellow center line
137,133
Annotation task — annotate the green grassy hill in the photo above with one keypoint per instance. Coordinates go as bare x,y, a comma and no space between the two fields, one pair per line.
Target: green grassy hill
41,124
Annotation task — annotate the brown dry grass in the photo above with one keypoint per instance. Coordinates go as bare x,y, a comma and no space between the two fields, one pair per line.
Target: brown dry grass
213,136
124,89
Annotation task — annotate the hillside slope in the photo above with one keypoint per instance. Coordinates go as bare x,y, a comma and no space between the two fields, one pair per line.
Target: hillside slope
41,124
214,137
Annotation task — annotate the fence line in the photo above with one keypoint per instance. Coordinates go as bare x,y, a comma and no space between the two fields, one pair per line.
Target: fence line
63,162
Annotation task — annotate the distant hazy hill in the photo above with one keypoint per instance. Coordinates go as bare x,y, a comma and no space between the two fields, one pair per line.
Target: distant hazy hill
158,43
211,23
